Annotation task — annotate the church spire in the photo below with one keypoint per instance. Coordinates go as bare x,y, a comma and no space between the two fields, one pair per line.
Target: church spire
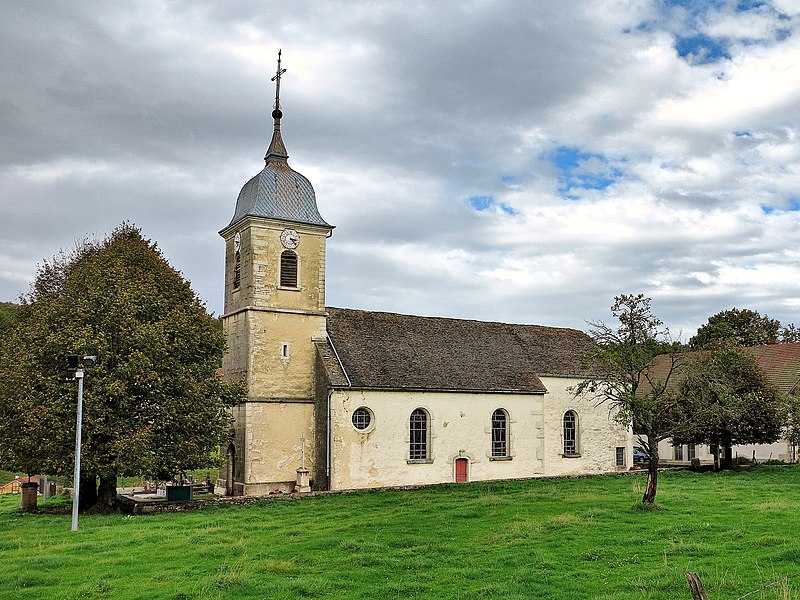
276,148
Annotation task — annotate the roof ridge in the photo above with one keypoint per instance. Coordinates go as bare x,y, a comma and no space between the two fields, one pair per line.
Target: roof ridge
407,315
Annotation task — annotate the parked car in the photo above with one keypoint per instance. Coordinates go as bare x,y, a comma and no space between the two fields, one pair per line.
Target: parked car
640,456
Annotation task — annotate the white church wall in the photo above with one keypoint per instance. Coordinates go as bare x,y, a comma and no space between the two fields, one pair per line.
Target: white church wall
597,434
460,425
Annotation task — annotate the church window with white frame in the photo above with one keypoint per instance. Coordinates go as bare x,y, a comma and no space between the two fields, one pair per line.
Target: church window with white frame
288,269
362,418
499,433
418,438
570,433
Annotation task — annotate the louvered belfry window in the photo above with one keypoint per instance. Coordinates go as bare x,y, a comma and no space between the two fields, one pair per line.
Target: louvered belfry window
418,428
237,271
288,269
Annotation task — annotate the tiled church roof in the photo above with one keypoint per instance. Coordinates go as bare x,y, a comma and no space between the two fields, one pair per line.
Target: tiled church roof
391,351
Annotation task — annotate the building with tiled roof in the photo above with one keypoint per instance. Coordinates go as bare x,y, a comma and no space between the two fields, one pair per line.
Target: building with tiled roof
13,486
358,399
781,365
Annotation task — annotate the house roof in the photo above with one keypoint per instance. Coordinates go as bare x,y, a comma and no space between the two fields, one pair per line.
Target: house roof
378,350
15,482
780,363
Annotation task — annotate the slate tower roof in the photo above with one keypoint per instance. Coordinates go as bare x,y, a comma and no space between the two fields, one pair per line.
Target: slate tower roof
278,191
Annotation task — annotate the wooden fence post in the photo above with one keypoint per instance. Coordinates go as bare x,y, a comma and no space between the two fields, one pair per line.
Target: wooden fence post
698,592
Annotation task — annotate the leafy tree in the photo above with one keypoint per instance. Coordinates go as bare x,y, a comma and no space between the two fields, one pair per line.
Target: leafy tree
730,401
639,395
8,313
743,327
792,431
152,404
790,334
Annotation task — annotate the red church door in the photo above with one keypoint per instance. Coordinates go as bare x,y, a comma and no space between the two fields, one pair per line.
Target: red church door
461,470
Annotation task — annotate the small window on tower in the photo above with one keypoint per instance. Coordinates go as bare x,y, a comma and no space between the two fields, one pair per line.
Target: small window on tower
285,350
288,269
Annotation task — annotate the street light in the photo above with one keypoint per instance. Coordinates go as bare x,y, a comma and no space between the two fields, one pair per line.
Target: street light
77,367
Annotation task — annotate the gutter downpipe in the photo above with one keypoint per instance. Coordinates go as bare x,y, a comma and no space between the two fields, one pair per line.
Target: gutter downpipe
328,440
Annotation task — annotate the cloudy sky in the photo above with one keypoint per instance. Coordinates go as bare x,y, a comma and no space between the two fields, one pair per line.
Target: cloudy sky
519,161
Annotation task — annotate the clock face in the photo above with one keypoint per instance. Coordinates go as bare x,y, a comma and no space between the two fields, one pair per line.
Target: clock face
237,242
290,238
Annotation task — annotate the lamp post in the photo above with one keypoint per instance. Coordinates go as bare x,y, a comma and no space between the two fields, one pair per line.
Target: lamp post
78,372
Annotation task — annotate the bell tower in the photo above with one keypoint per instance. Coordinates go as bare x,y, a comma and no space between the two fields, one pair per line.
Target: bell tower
274,310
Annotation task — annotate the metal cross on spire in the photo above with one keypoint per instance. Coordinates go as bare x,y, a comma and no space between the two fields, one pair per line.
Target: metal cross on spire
277,80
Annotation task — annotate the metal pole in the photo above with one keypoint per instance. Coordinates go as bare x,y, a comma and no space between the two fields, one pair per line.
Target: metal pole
77,483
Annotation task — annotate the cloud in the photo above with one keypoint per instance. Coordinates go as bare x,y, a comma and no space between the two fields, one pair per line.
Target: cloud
478,160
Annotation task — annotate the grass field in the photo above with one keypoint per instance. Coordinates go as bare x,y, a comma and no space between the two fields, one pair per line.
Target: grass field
578,538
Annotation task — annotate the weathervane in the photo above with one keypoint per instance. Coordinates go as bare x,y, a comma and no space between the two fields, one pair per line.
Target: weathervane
277,80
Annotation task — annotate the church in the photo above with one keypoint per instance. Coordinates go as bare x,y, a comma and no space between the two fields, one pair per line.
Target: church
345,399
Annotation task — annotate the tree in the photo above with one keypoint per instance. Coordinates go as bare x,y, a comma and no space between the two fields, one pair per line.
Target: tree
792,431
730,401
743,327
624,377
8,314
790,334
152,404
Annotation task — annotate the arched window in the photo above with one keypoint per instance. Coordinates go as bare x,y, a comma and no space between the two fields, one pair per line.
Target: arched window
570,433
418,440
288,269
499,433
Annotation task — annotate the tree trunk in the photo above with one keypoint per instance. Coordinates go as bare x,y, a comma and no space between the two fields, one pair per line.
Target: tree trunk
715,453
652,475
88,492
728,462
107,495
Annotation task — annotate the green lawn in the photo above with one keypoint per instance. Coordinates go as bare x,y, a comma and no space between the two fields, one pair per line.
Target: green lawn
578,538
